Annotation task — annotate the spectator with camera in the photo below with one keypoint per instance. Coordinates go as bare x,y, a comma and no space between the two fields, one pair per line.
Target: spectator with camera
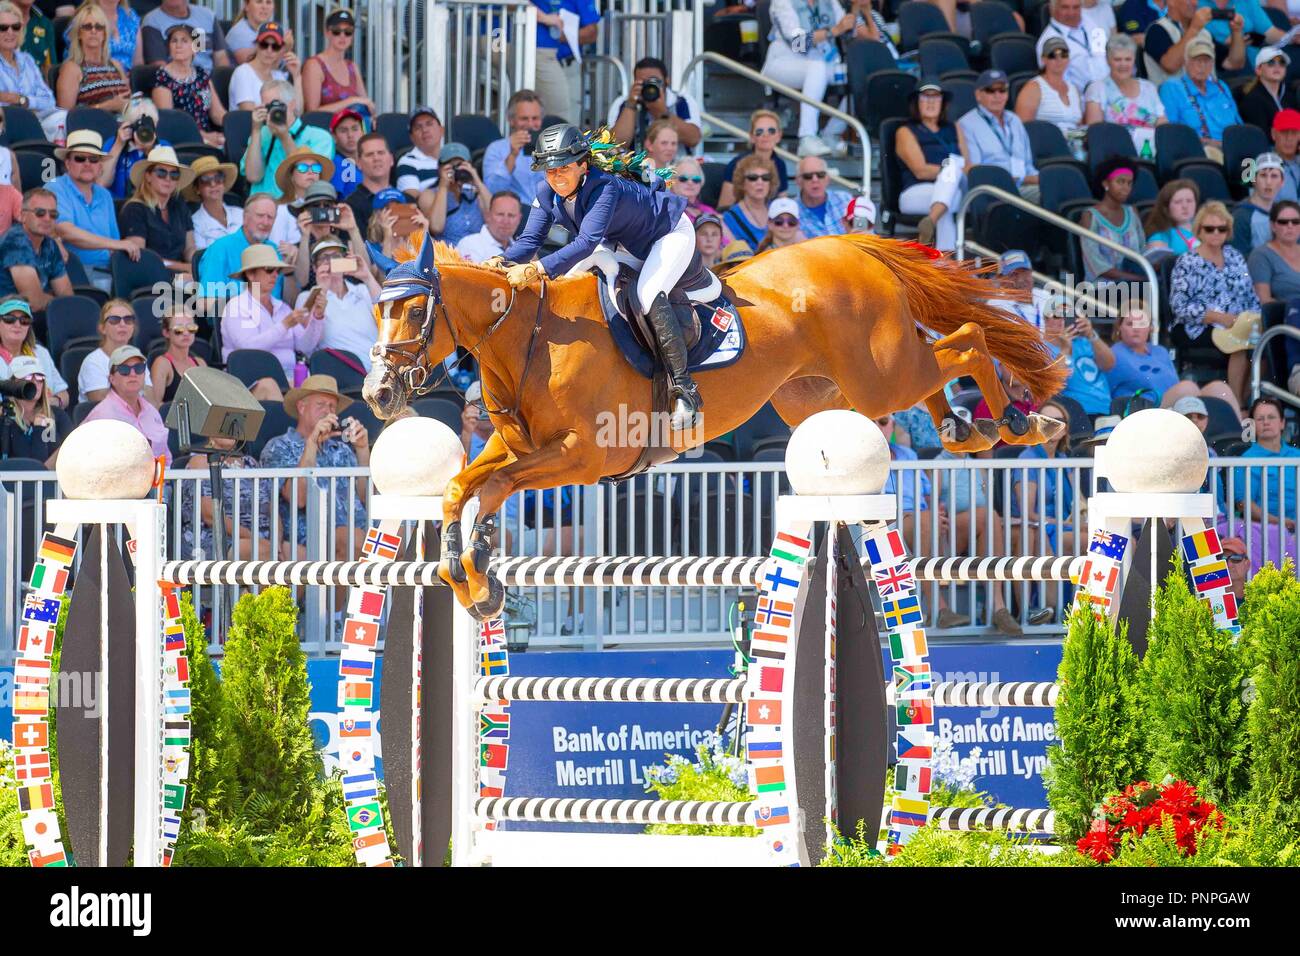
1167,41
375,161
417,170
87,219
1255,25
559,76
505,212
223,257
347,128
156,217
459,205
90,76
300,170
651,99
320,215
31,262
321,87
319,439
181,85
37,33
153,32
342,299
1250,224
257,319
507,163
22,82
116,328
137,133
274,60
214,218
30,426
277,131
821,209
125,403
18,339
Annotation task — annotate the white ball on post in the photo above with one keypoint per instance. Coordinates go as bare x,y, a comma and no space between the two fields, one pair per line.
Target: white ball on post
416,457
105,460
837,452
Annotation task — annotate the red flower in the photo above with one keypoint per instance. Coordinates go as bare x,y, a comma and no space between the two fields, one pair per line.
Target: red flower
1178,797
1098,844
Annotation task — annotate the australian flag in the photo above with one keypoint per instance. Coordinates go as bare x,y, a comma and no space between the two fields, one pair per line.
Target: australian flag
1109,545
43,609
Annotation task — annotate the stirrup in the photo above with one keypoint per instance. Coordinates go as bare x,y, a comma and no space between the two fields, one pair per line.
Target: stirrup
686,409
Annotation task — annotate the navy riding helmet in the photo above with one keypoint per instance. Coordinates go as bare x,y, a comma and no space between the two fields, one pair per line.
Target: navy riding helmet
560,145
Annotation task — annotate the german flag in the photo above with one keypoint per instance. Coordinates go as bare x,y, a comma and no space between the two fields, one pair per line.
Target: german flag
56,549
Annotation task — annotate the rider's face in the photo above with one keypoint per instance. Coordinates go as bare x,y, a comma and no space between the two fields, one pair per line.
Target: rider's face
566,179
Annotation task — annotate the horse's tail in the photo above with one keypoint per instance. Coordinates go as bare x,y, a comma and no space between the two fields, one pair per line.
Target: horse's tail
944,295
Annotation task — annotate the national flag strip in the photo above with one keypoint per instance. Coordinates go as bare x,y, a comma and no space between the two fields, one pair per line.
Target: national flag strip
355,693
177,668
495,756
908,818
1223,605
773,613
176,733
1108,545
493,662
915,743
908,645
1210,576
173,642
364,816
492,633
771,679
893,579
1099,575
903,612
171,603
763,749
789,547
31,735
360,786
493,726
915,712
1202,544
31,765
35,640
366,602
41,609
912,778
911,678
769,779
761,711
381,545
355,756
768,816
885,548
356,663
176,701
359,633
776,579
56,549
31,673
49,578
31,701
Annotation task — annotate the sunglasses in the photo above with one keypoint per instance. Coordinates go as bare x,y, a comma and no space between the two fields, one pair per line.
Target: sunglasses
177,329
271,45
308,168
785,221
87,27
119,319
82,158
1214,229
820,175
758,177
11,27
42,213
341,33
162,172
995,89
1235,558
1276,61
691,179
1058,55
765,131
212,179
16,318
135,368
1288,222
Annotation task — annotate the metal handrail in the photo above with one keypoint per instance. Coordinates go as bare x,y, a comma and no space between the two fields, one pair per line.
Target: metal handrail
624,78
1258,386
750,74
1052,219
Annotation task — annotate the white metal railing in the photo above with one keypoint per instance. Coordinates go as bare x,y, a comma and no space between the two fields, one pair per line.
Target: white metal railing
1258,386
717,123
971,509
1060,222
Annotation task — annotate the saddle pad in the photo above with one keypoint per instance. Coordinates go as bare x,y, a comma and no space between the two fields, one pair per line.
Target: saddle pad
722,336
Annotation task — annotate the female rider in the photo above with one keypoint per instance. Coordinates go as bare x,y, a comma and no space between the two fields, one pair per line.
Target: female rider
619,214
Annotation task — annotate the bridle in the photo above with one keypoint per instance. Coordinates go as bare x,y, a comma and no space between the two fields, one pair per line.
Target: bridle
417,376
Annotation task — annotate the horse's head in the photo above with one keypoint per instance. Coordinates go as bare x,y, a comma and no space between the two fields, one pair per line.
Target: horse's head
411,344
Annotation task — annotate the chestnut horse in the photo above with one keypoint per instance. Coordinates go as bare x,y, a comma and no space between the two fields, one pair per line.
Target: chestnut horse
853,321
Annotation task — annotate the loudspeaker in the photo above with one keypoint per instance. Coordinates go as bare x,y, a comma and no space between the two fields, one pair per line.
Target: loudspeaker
214,404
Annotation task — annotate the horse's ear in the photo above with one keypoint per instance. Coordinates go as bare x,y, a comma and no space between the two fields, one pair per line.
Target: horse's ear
424,255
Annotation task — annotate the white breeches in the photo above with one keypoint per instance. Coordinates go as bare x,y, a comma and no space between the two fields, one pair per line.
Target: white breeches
663,267
917,199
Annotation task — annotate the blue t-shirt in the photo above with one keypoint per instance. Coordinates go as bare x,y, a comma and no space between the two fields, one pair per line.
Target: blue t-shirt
1133,372
1086,384
16,250
1281,478
220,260
912,488
97,216
1251,11
586,13
463,219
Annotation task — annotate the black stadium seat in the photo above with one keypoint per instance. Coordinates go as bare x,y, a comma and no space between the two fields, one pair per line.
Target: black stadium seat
1208,176
939,56
1241,143
238,128
886,98
250,365
988,20
864,57
917,19
396,128
963,96
101,121
275,422
891,179
1047,141
325,363
1175,145
473,131
1105,140
70,364
1014,54
70,317
131,277
21,127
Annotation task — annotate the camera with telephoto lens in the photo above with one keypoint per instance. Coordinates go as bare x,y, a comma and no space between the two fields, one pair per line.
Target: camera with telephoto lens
144,129
17,388
651,89
323,213
277,113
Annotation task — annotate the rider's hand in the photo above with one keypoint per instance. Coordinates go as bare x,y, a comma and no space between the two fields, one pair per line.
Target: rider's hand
494,262
525,272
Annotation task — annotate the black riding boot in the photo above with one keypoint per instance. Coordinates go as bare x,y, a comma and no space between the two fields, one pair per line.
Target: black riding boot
672,350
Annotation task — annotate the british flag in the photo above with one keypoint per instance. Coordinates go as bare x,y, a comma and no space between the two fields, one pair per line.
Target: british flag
893,580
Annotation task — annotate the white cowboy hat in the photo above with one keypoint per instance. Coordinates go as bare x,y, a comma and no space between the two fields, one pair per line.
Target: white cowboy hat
161,156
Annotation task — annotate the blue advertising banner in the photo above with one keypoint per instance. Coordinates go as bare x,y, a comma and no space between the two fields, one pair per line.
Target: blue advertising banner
602,750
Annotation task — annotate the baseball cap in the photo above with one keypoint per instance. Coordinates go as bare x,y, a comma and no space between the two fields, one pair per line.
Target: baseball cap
386,196
930,86
1200,45
194,34
329,242
1191,405
21,366
1267,53
1052,44
422,111
1012,261
270,29
451,151
861,207
708,219
1268,161
988,78
123,354
1233,546
783,206
341,115
342,15
320,191
1286,120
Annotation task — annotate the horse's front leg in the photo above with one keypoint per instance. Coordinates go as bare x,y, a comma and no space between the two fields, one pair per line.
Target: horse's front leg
459,490
560,461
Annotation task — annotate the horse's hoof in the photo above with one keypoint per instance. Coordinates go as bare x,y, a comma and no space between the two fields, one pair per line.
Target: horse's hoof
953,430
1050,428
988,429
491,606
1014,421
